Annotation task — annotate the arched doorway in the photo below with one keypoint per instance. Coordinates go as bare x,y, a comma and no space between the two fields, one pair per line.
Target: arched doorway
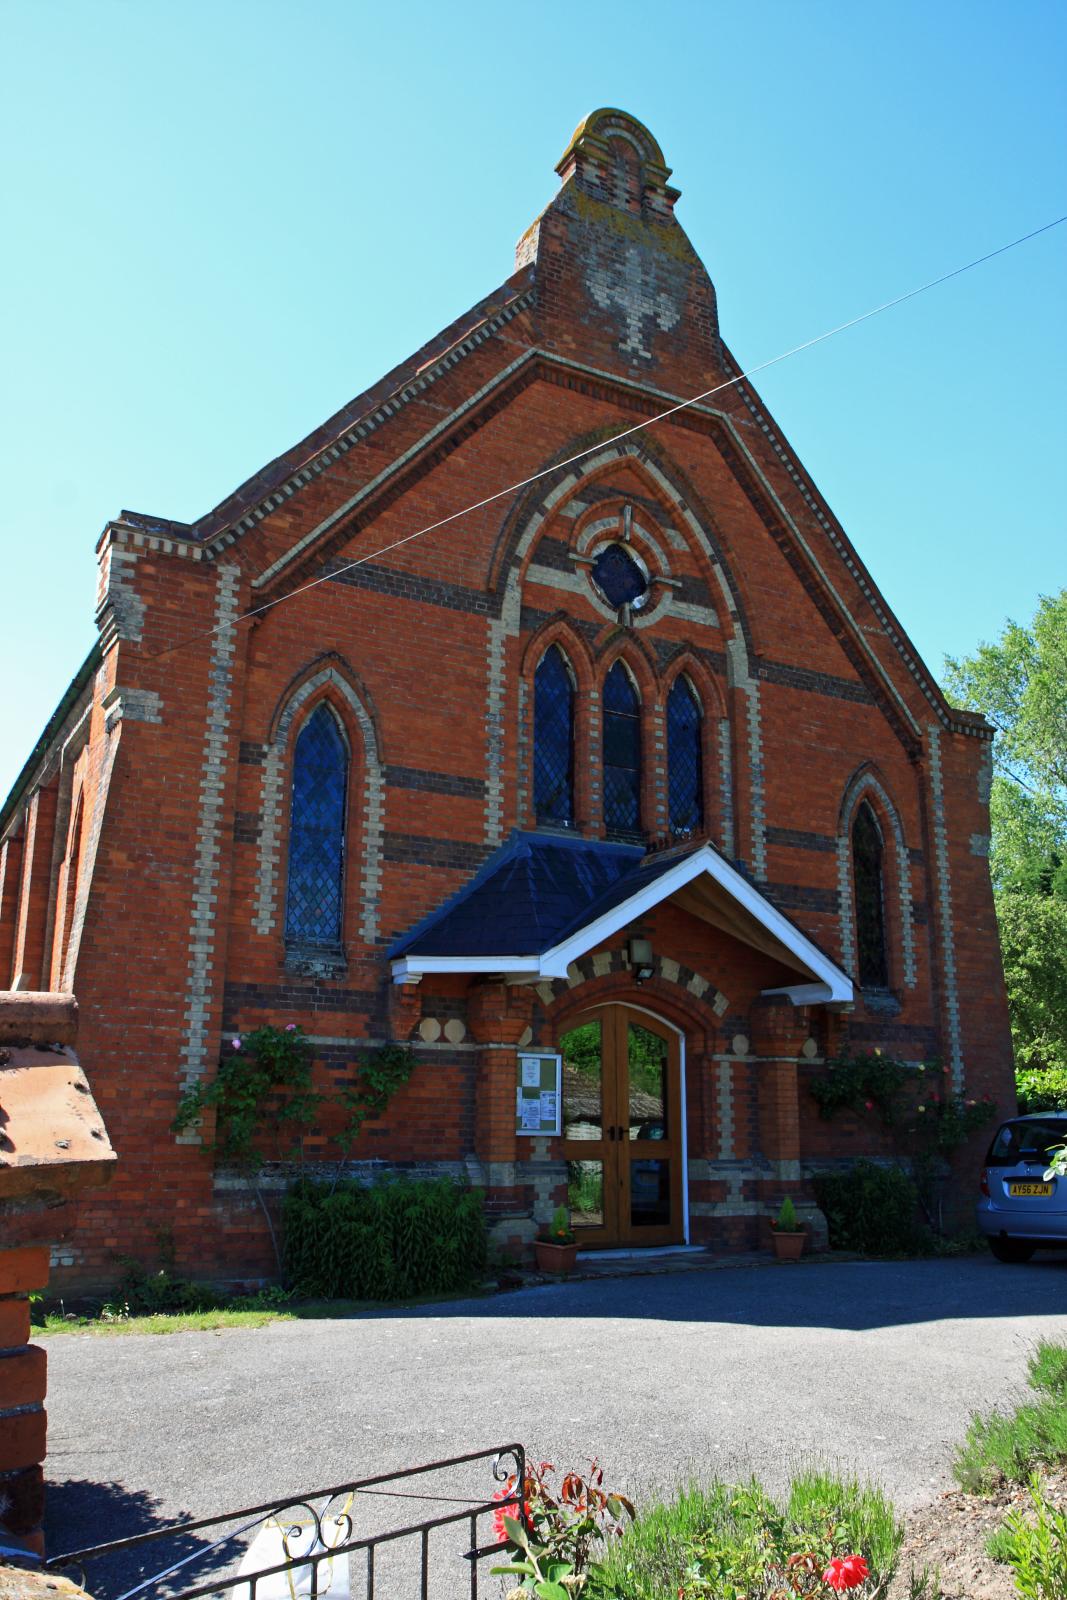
623,1127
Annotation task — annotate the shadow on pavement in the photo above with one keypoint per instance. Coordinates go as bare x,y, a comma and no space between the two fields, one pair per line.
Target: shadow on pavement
852,1295
80,1513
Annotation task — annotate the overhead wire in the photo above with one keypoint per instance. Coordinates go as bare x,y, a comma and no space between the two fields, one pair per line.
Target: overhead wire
601,444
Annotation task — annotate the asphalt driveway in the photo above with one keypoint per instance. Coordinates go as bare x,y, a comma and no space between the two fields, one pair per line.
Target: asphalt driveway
874,1366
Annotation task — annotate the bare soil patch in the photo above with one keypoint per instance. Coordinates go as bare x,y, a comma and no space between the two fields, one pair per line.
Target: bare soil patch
950,1535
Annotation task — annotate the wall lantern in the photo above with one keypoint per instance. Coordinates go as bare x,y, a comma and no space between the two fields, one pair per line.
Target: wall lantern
641,960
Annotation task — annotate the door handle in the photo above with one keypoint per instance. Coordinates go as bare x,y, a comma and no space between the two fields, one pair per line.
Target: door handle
611,1134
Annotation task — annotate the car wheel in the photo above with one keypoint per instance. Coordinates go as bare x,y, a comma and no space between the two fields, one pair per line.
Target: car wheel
1012,1250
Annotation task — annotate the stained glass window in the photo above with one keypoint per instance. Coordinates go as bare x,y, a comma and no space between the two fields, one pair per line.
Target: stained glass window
685,775
618,577
553,740
317,832
622,753
870,899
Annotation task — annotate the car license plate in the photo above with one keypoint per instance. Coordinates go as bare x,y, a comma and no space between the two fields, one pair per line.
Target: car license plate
1020,1189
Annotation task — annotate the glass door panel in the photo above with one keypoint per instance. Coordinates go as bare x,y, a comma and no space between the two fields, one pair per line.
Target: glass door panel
647,1059
589,1132
585,1193
583,1081
650,1194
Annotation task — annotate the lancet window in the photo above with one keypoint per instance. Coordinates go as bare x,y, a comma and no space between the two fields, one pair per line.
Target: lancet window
622,753
554,740
685,767
868,878
317,832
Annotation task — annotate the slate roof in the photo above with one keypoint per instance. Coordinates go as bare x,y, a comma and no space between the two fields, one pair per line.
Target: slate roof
531,893
540,890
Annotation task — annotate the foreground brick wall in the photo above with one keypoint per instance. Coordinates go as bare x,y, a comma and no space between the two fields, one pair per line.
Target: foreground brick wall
53,1149
23,1384
812,702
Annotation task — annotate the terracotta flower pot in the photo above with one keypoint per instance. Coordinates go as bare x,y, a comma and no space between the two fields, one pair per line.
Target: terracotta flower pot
788,1246
558,1258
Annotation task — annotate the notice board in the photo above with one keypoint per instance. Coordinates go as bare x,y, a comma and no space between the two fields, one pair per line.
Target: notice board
537,1093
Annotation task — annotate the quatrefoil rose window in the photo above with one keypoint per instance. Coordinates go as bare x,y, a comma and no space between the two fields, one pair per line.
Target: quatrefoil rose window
620,578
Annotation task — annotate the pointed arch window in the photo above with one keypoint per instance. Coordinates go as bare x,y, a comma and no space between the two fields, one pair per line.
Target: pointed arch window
869,879
317,832
685,766
622,753
554,740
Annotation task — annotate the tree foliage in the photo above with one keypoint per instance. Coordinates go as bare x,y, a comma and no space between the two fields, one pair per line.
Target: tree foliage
1020,684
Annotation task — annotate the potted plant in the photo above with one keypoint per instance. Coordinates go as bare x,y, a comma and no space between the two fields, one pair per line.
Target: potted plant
556,1247
787,1233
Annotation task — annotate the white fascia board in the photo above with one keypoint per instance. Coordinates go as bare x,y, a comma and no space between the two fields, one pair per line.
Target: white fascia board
809,994
554,962
408,967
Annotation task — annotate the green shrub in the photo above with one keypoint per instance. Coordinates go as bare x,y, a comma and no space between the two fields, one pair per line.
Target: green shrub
1047,1369
726,1539
143,1293
1035,1550
861,1515
999,1446
1042,1089
390,1242
871,1209
270,1298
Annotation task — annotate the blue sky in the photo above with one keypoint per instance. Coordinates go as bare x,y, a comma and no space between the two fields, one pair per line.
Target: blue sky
226,219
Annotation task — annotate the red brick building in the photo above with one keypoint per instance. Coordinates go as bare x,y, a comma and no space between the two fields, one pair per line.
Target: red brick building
635,759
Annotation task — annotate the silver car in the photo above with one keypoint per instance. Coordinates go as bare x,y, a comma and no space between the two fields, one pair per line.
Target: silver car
1021,1210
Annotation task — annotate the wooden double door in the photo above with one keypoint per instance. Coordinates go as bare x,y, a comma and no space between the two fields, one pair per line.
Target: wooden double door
622,1128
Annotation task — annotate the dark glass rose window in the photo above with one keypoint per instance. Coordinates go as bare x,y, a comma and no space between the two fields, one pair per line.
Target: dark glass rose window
618,577
685,777
622,753
317,832
553,740
870,900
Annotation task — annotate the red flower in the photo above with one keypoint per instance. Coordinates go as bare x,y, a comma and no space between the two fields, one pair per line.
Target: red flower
846,1572
512,1510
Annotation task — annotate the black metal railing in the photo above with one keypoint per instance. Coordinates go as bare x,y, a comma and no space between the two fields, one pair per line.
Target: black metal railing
312,1545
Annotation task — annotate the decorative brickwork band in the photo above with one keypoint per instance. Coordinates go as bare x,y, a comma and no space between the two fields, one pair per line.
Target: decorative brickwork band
604,962
209,834
944,906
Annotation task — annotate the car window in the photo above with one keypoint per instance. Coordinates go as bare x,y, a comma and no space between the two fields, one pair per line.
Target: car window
1015,1137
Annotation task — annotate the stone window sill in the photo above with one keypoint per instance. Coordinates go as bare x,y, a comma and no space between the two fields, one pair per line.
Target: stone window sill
316,961
881,1003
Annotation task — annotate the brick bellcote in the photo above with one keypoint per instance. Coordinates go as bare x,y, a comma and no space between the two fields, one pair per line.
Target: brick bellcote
609,252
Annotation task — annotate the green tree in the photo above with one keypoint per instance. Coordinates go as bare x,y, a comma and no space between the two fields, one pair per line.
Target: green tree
1020,684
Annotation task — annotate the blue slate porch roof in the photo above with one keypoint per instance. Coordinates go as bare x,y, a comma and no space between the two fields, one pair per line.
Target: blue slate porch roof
541,900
